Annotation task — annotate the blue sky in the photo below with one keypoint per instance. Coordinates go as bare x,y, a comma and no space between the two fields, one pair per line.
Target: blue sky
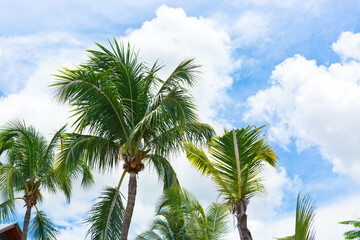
291,65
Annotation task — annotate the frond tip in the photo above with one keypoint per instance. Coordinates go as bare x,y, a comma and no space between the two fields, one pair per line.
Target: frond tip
305,216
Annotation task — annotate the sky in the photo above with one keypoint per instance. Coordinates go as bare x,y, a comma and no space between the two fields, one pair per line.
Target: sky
292,65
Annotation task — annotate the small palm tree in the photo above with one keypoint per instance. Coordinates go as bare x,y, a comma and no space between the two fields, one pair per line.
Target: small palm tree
304,222
27,170
180,216
355,233
131,117
234,163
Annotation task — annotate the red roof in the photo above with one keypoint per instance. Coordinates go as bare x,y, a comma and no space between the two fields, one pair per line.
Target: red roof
10,230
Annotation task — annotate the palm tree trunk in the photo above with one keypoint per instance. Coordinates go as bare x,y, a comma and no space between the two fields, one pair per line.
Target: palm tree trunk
129,206
242,220
26,223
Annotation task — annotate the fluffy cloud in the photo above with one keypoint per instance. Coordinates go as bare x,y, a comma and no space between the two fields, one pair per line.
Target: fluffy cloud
327,219
316,105
249,28
173,36
20,57
263,211
348,46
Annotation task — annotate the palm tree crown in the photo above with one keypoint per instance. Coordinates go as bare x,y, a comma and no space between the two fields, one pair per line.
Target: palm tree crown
241,152
28,169
130,115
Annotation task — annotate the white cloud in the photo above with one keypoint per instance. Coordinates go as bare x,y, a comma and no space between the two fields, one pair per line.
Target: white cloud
327,219
249,28
21,55
326,224
263,210
173,36
348,46
315,105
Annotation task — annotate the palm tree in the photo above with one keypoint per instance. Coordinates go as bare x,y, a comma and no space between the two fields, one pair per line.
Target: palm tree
355,233
28,169
305,214
180,216
131,116
234,162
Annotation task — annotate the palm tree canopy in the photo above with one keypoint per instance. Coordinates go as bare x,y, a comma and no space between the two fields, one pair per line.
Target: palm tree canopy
128,110
220,162
180,216
124,112
28,168
355,233
28,165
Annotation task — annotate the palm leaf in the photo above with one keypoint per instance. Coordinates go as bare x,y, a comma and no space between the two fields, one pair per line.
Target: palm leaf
352,234
305,214
287,238
180,216
7,210
106,216
217,215
164,170
42,228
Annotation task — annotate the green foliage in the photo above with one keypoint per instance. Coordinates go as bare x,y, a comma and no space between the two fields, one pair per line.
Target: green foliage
221,165
180,216
304,221
28,168
42,228
287,238
126,109
105,217
355,233
305,214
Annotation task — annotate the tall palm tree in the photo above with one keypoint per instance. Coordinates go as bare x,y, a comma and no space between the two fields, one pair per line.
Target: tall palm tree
28,169
180,216
129,115
234,162
304,221
355,233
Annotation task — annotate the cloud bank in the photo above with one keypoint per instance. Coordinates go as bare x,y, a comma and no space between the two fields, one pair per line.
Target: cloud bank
316,105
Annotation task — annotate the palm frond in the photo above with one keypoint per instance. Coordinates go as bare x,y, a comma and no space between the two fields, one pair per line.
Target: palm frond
185,73
305,214
95,101
106,216
354,233
149,235
180,216
11,179
287,238
42,228
7,210
217,215
164,170
170,140
94,151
